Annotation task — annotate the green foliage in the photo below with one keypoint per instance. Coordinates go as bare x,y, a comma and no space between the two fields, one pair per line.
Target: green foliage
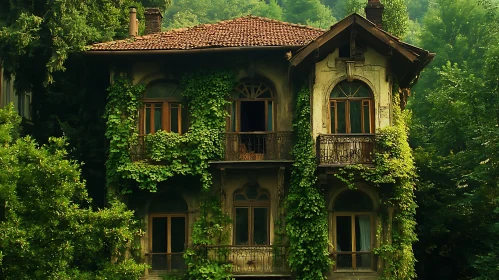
395,17
394,175
185,13
306,217
47,230
171,154
309,12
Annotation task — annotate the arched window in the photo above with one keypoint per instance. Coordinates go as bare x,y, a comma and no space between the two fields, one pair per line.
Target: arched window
251,216
353,228
252,108
351,108
167,232
163,109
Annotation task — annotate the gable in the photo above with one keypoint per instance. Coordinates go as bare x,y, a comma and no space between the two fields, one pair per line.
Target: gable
405,60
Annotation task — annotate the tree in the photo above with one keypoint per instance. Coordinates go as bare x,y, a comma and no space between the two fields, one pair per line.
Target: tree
310,12
395,17
47,230
186,13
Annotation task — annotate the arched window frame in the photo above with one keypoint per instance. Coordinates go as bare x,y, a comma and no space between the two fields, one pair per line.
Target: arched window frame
353,215
170,259
170,108
251,205
253,89
349,97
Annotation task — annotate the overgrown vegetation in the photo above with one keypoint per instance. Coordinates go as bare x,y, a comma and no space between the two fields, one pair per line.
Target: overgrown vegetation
306,215
47,229
394,175
169,154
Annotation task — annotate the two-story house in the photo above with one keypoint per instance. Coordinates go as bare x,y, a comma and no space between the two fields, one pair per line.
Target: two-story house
350,70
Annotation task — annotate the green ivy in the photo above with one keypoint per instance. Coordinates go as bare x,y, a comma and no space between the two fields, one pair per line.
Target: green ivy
306,218
170,154
394,175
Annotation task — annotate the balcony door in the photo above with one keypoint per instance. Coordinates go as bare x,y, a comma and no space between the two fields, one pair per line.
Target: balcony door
167,232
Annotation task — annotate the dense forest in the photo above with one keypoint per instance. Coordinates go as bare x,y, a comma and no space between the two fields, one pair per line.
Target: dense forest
453,125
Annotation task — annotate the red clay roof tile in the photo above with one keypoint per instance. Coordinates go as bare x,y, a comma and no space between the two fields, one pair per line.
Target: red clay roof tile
247,31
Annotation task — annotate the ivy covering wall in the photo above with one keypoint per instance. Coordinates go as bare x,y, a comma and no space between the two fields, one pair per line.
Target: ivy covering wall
306,218
394,176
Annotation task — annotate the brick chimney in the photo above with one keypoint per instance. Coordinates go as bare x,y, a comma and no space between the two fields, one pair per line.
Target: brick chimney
133,25
374,12
153,20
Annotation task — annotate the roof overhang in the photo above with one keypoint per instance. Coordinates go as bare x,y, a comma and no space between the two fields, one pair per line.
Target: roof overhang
407,61
191,51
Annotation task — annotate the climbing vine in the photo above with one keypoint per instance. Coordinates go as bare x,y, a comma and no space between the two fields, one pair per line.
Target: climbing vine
306,218
394,174
168,154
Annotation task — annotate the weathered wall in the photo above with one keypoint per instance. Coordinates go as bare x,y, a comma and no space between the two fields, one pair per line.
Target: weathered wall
332,70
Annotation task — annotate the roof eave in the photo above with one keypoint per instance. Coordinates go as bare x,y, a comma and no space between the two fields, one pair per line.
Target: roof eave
191,51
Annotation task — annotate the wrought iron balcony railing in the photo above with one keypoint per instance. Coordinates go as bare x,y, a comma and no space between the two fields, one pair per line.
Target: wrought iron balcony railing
251,260
342,149
241,146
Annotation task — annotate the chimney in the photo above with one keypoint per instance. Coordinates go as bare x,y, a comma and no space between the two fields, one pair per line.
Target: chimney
133,25
374,12
153,20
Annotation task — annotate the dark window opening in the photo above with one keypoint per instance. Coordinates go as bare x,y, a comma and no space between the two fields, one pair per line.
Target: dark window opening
345,51
252,116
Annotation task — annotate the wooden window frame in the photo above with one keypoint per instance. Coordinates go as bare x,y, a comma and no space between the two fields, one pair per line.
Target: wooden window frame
334,130
168,234
353,233
165,115
251,205
238,100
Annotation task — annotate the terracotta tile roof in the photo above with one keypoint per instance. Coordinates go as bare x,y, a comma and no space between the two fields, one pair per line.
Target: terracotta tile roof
247,31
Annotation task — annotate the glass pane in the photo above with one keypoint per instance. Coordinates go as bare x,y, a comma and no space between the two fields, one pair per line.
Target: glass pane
157,117
362,90
355,117
177,234
260,216
269,116
242,231
233,117
239,197
342,124
174,110
162,89
252,192
159,241
332,112
263,197
185,119
364,261
148,120
362,233
367,123
353,201
344,234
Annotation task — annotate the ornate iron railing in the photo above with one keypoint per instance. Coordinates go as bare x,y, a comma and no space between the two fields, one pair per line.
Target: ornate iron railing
251,260
338,149
241,146
171,262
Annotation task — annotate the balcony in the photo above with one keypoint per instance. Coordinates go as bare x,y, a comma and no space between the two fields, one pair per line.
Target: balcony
257,146
344,149
251,260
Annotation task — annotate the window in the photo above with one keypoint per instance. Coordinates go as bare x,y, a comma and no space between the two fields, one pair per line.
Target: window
163,109
251,212
252,108
351,108
167,232
353,231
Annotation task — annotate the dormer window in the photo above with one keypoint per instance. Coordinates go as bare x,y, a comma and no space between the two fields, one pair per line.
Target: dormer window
162,109
351,108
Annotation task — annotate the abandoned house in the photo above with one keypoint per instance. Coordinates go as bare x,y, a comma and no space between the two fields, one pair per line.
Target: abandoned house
350,71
